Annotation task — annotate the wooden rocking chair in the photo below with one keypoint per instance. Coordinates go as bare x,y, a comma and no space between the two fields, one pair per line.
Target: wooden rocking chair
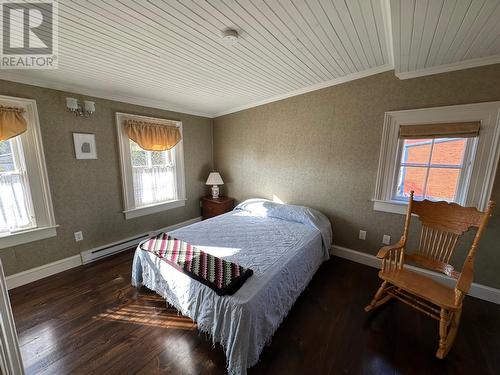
442,224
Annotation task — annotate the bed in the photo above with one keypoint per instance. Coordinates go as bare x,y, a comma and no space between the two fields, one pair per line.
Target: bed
283,244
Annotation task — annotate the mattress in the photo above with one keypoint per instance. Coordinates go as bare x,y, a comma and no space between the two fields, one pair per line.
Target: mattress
283,249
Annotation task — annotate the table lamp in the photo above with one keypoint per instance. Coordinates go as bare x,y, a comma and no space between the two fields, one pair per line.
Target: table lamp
214,179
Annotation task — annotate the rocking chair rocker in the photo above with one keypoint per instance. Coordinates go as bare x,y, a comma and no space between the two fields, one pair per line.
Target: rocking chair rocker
442,225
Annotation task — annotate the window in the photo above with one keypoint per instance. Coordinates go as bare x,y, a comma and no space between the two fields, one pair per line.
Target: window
443,165
153,181
26,212
434,169
153,176
16,208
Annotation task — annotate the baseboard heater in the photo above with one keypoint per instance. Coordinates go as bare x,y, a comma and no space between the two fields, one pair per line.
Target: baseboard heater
100,252
111,249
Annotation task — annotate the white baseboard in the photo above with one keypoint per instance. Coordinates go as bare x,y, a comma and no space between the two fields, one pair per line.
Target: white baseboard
37,273
480,291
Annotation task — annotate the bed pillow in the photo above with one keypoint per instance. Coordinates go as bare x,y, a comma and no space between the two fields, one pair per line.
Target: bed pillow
258,206
300,214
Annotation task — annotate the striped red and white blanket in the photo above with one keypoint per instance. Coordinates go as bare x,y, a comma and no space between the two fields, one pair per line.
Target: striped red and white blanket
222,276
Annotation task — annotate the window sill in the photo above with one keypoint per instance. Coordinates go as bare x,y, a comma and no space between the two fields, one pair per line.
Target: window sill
148,210
394,207
30,235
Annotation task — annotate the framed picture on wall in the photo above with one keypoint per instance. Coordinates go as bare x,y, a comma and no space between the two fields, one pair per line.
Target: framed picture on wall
85,145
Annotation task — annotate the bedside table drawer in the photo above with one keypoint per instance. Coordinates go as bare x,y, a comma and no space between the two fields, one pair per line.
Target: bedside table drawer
212,210
214,207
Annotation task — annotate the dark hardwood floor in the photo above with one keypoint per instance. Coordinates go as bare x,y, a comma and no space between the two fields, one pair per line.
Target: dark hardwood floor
91,320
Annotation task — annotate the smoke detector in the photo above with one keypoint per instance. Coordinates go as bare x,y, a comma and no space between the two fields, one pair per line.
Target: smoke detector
230,37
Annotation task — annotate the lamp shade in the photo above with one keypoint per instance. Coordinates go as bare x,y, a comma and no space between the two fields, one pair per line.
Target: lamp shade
214,178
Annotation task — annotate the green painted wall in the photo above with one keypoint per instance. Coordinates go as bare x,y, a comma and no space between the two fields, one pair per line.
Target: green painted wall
321,149
87,194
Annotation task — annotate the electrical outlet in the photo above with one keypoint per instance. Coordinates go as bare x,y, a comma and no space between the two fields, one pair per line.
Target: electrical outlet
386,240
362,234
78,236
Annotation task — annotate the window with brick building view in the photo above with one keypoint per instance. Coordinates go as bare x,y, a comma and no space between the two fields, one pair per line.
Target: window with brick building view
434,169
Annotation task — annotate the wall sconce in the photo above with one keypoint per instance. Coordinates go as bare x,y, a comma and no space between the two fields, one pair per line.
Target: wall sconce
87,110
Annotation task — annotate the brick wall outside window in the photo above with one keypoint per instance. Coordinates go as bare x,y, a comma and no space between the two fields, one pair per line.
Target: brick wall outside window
442,183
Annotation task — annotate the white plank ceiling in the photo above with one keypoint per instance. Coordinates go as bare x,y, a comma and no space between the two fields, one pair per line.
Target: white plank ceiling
170,54
430,33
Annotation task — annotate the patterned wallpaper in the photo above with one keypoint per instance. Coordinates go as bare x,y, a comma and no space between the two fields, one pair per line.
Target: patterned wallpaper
87,194
321,149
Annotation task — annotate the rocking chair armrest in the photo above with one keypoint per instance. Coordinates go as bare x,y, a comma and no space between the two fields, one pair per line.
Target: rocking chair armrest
466,276
386,250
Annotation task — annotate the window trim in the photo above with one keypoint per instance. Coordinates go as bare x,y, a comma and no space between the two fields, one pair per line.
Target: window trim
36,168
130,211
28,235
481,174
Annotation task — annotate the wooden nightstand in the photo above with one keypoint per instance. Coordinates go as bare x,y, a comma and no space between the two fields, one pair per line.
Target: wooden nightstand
212,207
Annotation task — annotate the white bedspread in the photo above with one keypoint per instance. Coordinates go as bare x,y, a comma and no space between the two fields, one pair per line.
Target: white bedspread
284,255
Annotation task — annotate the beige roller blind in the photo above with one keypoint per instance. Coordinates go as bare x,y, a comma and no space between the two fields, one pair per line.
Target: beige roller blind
12,122
152,136
441,130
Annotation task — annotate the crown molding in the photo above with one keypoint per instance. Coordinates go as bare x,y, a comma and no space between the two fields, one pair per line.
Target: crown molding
467,64
151,103
317,86
80,90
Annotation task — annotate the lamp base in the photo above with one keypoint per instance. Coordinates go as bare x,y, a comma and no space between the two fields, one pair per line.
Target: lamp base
215,191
